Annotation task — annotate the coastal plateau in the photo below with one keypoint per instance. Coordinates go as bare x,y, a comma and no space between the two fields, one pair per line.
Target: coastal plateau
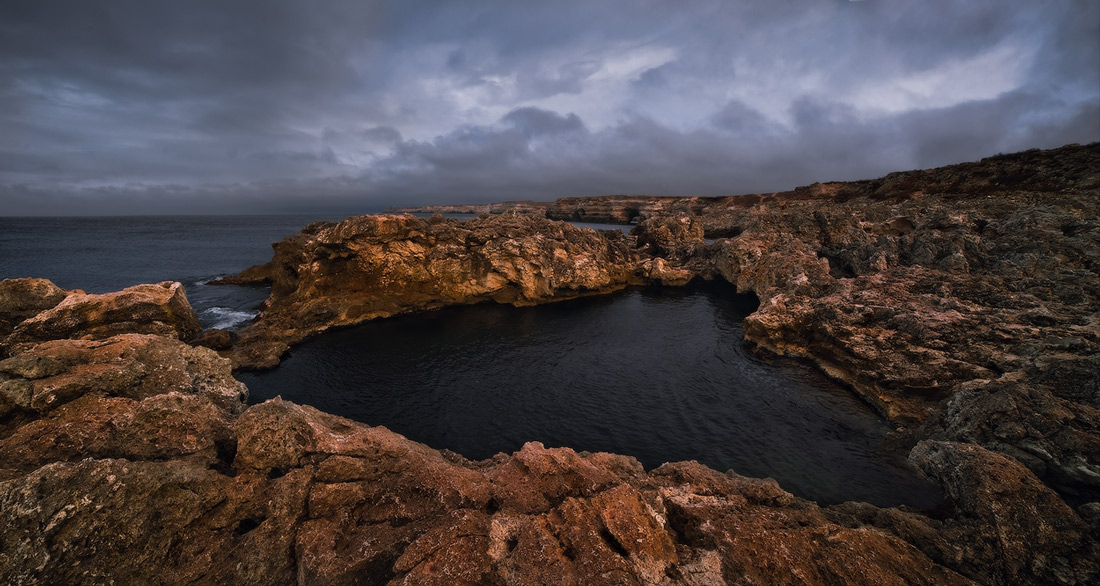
961,302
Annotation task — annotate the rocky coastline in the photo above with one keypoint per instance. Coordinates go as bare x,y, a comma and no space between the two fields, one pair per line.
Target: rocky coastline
960,302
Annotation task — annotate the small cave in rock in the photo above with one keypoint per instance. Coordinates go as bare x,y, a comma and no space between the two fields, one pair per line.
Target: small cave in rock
839,267
660,374
245,526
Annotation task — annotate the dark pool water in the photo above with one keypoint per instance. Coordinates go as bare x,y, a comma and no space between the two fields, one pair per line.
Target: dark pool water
659,374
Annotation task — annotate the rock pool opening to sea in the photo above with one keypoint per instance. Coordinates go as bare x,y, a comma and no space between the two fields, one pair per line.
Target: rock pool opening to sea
660,374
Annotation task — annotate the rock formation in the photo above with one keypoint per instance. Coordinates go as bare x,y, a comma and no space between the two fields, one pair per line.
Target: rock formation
960,301
24,298
336,274
147,309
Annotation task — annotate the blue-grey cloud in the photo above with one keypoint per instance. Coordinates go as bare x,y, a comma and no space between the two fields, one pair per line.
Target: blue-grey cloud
141,107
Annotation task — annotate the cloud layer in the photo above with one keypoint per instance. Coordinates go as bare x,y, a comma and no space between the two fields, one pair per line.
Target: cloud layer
252,107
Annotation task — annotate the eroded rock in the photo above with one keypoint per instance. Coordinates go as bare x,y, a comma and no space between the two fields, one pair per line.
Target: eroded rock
335,274
134,366
1011,529
160,309
24,298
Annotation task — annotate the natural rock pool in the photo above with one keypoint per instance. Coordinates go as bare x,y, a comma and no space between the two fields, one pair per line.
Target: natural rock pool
658,374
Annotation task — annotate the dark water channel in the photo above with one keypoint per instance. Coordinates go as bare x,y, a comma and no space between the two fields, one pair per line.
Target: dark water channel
658,374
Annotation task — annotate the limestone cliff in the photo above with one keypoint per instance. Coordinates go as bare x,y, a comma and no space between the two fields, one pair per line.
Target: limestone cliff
336,274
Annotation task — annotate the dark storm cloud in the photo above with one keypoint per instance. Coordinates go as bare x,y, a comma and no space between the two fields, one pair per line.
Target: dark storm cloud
348,106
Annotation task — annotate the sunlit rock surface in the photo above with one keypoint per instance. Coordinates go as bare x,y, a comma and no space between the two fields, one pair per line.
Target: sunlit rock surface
366,267
147,309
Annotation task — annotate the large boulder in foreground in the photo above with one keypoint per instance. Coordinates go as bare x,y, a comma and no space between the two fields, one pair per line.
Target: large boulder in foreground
1009,524
365,267
160,309
25,298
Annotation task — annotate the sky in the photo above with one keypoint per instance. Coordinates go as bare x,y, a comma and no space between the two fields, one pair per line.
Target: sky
284,106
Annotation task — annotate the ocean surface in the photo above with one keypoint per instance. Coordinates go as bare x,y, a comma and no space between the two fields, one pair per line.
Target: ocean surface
658,374
101,254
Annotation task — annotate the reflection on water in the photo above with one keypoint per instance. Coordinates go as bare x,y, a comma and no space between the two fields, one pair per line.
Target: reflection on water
661,375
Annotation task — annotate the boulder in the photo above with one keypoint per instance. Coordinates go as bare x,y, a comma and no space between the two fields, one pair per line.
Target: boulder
215,339
24,298
134,366
160,309
1011,528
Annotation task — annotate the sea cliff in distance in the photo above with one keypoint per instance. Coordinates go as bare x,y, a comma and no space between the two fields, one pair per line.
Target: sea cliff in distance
959,301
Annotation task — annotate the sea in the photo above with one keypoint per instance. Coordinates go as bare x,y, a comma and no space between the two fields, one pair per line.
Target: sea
661,374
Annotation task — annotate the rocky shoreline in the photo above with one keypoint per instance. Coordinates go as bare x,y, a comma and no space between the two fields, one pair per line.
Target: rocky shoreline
961,302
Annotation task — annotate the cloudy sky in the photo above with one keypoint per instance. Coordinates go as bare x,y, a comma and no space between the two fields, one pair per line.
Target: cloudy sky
145,106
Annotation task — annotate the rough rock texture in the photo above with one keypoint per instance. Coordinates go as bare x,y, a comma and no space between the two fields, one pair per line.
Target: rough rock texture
254,275
962,298
315,499
215,339
334,274
24,298
148,309
135,366
1006,516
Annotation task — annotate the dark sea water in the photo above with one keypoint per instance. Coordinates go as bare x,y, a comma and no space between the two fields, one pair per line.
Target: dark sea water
101,254
659,374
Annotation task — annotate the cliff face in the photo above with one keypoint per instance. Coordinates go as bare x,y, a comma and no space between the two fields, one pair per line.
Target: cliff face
376,266
964,301
961,301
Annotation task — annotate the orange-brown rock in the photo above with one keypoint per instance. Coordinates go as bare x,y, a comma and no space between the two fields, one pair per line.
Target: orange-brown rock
254,275
134,366
126,461
1008,524
24,298
215,339
336,274
501,207
160,309
962,298
309,497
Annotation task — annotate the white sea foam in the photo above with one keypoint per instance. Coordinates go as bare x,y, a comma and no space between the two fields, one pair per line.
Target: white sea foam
214,278
227,319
